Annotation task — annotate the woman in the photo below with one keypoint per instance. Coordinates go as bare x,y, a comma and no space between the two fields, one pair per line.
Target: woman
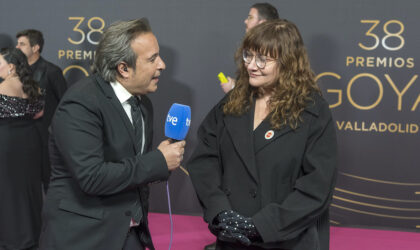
265,166
20,157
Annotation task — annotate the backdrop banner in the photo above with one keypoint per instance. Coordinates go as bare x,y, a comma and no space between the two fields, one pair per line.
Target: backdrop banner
365,55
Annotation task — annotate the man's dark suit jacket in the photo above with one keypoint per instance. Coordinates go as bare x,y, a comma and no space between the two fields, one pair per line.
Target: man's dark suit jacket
50,78
284,182
97,172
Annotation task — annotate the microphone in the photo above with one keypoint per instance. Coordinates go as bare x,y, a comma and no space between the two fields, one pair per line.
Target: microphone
178,122
177,125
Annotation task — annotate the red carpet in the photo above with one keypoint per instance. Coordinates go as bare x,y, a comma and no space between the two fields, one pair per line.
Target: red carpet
191,233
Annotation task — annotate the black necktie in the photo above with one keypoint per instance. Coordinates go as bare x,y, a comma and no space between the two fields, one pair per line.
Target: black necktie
137,120
136,116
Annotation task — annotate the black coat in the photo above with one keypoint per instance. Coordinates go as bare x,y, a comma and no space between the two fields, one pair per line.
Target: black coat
98,172
285,183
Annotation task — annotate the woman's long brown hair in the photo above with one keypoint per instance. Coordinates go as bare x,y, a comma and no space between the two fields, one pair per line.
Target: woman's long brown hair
295,81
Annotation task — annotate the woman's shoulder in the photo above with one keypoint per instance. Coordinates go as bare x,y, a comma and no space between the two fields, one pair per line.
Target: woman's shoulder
218,108
316,104
14,106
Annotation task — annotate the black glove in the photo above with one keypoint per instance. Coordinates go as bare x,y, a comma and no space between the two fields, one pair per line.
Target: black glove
229,236
236,226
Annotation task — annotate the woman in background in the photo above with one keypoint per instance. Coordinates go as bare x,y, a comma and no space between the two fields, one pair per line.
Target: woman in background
20,158
265,165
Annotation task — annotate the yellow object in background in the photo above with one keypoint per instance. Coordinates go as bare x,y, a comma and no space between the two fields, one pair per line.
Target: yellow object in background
222,78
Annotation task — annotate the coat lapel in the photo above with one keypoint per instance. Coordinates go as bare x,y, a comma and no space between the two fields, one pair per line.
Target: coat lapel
109,93
240,130
262,134
262,141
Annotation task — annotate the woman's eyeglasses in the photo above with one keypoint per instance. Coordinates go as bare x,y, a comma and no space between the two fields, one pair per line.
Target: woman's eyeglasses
260,60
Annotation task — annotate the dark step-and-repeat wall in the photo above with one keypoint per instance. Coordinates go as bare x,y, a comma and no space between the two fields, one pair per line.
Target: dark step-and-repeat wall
365,55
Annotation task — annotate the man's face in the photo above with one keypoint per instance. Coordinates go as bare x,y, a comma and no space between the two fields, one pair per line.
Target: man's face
24,45
253,19
149,65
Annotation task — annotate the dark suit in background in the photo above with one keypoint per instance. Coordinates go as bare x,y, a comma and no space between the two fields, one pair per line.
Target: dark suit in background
51,80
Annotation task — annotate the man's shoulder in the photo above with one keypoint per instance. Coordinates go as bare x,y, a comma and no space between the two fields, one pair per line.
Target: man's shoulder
84,89
51,67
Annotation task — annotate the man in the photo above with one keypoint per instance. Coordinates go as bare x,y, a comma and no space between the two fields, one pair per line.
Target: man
259,13
101,148
51,80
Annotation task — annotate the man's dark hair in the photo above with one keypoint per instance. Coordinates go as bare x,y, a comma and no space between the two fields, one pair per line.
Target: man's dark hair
34,36
266,11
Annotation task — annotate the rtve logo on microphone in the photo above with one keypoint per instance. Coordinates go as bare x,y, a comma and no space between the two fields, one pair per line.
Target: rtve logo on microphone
174,120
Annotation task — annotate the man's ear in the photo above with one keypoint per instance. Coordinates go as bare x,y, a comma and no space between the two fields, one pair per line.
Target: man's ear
35,48
123,70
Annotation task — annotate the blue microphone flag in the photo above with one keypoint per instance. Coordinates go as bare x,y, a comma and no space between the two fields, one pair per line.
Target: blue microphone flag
178,121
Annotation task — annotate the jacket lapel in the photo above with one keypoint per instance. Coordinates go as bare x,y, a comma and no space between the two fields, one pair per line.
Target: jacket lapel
240,129
109,93
39,72
262,139
265,135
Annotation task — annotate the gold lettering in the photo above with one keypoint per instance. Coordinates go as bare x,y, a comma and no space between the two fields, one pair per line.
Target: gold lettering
401,60
381,61
400,94
78,55
363,127
87,54
378,82
416,103
356,128
349,60
394,129
400,130
348,126
382,127
369,61
360,61
339,92
340,125
414,128
373,127
69,54
61,53
75,67
410,63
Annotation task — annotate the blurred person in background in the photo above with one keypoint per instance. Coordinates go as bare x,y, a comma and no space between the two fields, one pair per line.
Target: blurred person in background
21,104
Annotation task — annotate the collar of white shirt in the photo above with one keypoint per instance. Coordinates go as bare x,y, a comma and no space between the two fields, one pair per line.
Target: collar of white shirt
122,93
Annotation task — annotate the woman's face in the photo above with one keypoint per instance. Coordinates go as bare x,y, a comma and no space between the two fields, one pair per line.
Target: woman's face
4,68
262,70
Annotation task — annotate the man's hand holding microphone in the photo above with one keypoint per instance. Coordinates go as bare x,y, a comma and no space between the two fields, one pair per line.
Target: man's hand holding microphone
173,153
177,125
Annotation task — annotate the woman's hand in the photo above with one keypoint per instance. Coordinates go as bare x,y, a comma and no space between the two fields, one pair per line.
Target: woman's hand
38,115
